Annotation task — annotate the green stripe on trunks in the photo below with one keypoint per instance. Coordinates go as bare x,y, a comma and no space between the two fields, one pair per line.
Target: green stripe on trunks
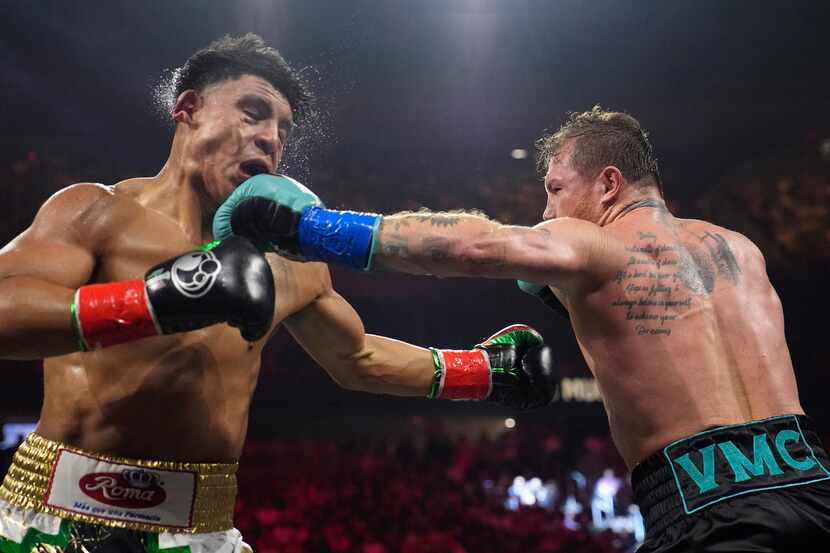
35,537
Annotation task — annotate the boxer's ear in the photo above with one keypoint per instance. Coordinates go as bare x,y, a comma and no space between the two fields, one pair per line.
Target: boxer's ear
186,105
611,180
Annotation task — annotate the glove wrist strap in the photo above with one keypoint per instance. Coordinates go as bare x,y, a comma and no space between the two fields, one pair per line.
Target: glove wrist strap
108,314
461,374
344,237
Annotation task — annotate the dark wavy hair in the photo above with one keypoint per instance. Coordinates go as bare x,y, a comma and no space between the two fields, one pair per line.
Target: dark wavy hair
232,57
602,138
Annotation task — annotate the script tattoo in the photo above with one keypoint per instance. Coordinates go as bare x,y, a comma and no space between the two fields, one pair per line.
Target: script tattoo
650,286
660,281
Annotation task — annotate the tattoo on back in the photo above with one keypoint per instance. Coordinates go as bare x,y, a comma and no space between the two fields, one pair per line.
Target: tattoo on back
662,282
722,256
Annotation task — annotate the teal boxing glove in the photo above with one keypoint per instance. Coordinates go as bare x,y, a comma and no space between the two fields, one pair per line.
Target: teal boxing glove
545,294
280,214
274,192
530,287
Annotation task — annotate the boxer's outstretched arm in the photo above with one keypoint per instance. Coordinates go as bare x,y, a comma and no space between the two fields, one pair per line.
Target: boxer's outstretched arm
282,215
39,272
332,333
460,244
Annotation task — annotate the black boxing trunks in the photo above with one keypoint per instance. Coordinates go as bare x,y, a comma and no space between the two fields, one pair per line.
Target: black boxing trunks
759,486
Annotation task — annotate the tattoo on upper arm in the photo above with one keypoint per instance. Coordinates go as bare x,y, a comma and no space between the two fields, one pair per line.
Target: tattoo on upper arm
662,282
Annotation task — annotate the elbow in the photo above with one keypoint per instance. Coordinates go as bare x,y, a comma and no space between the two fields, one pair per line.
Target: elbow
345,378
482,257
529,259
355,373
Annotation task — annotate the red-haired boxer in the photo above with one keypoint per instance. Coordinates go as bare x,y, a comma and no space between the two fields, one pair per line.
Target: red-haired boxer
676,318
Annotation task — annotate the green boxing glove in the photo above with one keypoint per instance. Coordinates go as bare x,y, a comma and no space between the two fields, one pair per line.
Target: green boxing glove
512,367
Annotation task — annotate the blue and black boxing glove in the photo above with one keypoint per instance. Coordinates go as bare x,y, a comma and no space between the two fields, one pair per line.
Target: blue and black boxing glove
280,214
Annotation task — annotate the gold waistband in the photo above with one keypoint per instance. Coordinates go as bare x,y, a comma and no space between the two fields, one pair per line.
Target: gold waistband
27,482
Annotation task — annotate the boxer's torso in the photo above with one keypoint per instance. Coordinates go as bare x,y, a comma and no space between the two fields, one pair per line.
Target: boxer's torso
180,397
682,330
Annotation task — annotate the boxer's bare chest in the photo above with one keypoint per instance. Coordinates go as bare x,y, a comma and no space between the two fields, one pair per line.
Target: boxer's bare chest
170,396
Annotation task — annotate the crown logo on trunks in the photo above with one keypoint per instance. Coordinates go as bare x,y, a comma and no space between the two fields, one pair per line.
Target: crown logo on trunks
138,478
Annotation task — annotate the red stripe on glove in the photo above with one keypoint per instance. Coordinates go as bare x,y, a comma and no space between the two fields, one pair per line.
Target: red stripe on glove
114,313
466,374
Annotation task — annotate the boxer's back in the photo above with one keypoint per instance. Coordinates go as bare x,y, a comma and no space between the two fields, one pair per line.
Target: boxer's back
684,332
178,397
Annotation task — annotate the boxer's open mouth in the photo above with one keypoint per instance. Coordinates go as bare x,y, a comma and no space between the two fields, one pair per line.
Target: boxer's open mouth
254,167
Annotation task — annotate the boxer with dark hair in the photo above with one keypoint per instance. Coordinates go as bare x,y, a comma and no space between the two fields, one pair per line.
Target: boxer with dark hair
676,318
125,291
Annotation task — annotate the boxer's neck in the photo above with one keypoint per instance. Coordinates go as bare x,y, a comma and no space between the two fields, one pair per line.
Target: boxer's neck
176,192
621,209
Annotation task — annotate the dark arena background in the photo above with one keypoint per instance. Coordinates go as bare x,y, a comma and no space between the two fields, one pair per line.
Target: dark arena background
437,104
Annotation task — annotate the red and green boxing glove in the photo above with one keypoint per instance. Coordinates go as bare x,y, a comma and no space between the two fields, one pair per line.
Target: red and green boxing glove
512,367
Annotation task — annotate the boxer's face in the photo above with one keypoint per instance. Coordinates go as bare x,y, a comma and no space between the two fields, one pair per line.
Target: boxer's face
570,194
240,129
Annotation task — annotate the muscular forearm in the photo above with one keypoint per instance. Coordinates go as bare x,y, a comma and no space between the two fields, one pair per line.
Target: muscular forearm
330,330
35,319
442,244
509,367
291,220
388,366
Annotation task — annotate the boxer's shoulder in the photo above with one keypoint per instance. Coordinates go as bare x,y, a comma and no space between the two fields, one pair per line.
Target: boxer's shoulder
76,199
68,213
86,214
585,237
724,241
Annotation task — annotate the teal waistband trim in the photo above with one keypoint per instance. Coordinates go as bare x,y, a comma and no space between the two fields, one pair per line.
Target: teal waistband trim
812,457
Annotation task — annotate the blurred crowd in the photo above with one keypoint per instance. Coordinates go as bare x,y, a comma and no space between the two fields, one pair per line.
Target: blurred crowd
427,494
783,202
432,491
